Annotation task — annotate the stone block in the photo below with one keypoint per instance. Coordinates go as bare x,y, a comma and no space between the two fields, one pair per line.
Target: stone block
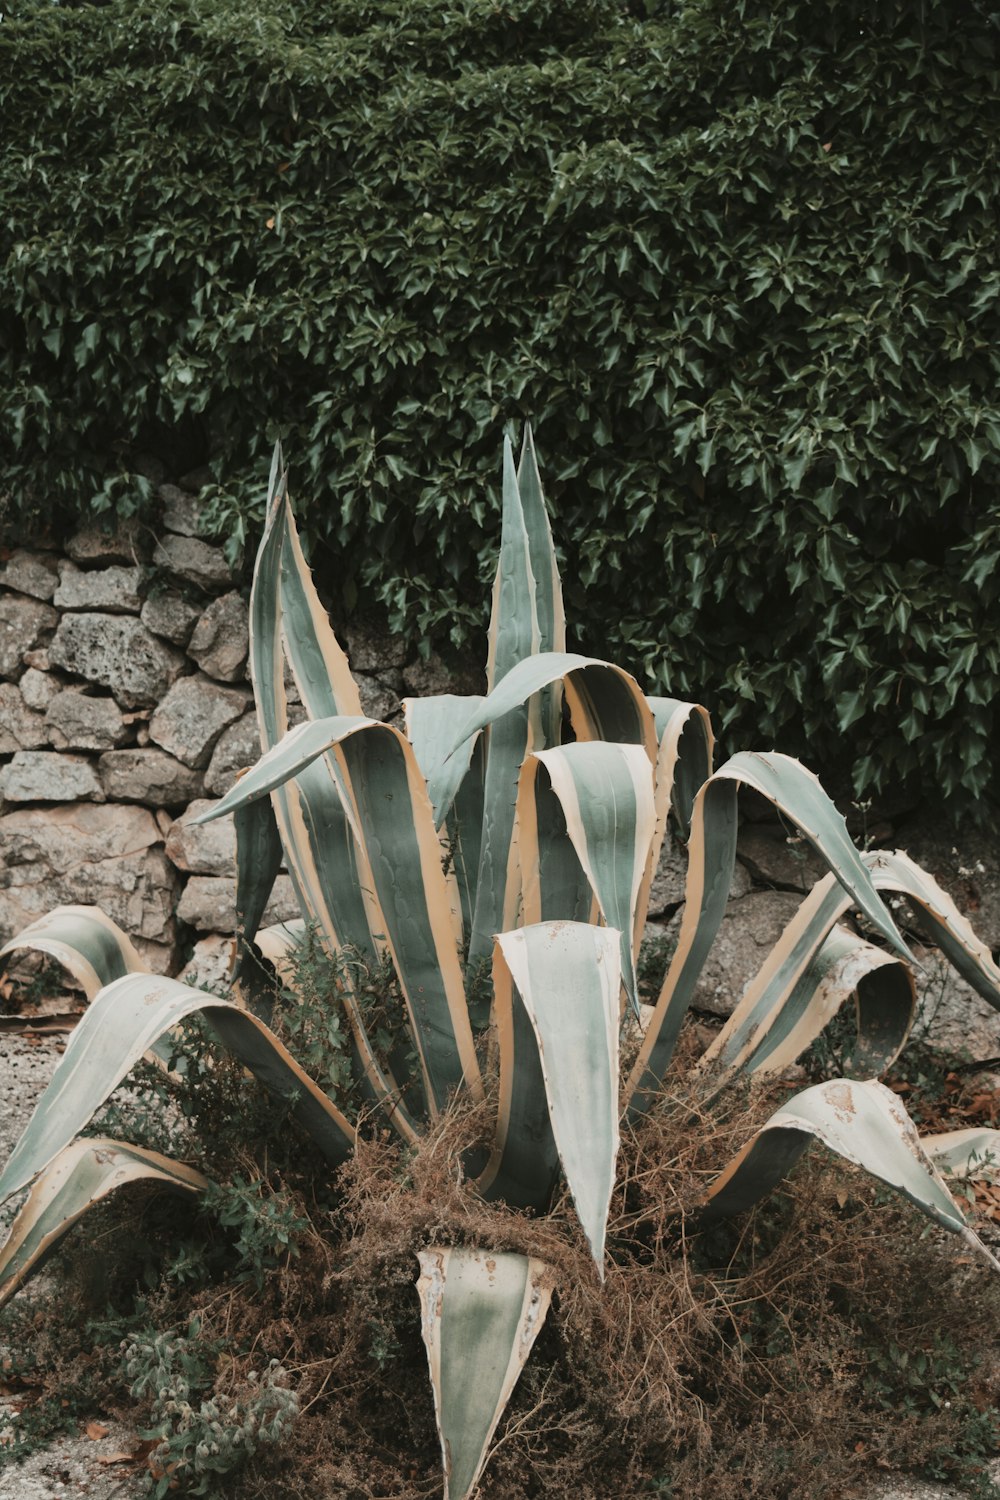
428,679
193,715
21,728
119,653
951,1018
24,625
237,748
181,512
47,776
116,590
108,855
205,849
31,573
209,965
779,857
371,649
381,697
78,722
148,776
129,541
221,639
194,561
170,615
39,688
209,903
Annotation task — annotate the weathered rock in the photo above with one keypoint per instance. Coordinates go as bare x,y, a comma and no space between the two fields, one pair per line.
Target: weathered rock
24,624
205,849
221,639
779,859
128,542
209,964
372,650
965,862
195,561
39,688
117,590
192,716
20,727
78,722
47,776
427,679
181,511
951,1018
170,615
118,652
238,747
31,573
209,903
381,697
37,661
107,856
750,929
148,776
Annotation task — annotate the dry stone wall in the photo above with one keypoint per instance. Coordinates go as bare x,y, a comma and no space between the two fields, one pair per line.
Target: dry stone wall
125,711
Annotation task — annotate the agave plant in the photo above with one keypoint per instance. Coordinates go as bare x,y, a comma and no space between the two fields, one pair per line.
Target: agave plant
517,832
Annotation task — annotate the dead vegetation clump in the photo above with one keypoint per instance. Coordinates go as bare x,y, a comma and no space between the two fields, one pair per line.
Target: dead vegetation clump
783,1354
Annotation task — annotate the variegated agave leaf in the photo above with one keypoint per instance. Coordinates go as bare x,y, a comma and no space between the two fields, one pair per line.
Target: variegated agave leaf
123,1020
481,1313
862,1121
605,793
711,858
556,987
777,1019
381,783
80,1176
87,943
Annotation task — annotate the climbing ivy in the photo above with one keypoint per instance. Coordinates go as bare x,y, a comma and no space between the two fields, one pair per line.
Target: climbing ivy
737,261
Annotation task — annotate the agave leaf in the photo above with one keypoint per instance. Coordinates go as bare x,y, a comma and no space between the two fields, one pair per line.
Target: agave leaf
481,1312
258,860
862,1121
513,638
122,1021
514,631
280,943
87,943
542,552
549,883
784,979
606,794
609,703
684,760
391,810
941,919
711,857
972,1153
318,662
431,724
775,1028
80,1175
322,854
563,978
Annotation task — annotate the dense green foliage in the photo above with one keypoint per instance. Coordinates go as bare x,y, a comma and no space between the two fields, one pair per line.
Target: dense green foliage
735,260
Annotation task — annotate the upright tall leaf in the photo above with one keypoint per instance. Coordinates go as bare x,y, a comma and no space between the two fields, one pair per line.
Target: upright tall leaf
566,977
387,801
